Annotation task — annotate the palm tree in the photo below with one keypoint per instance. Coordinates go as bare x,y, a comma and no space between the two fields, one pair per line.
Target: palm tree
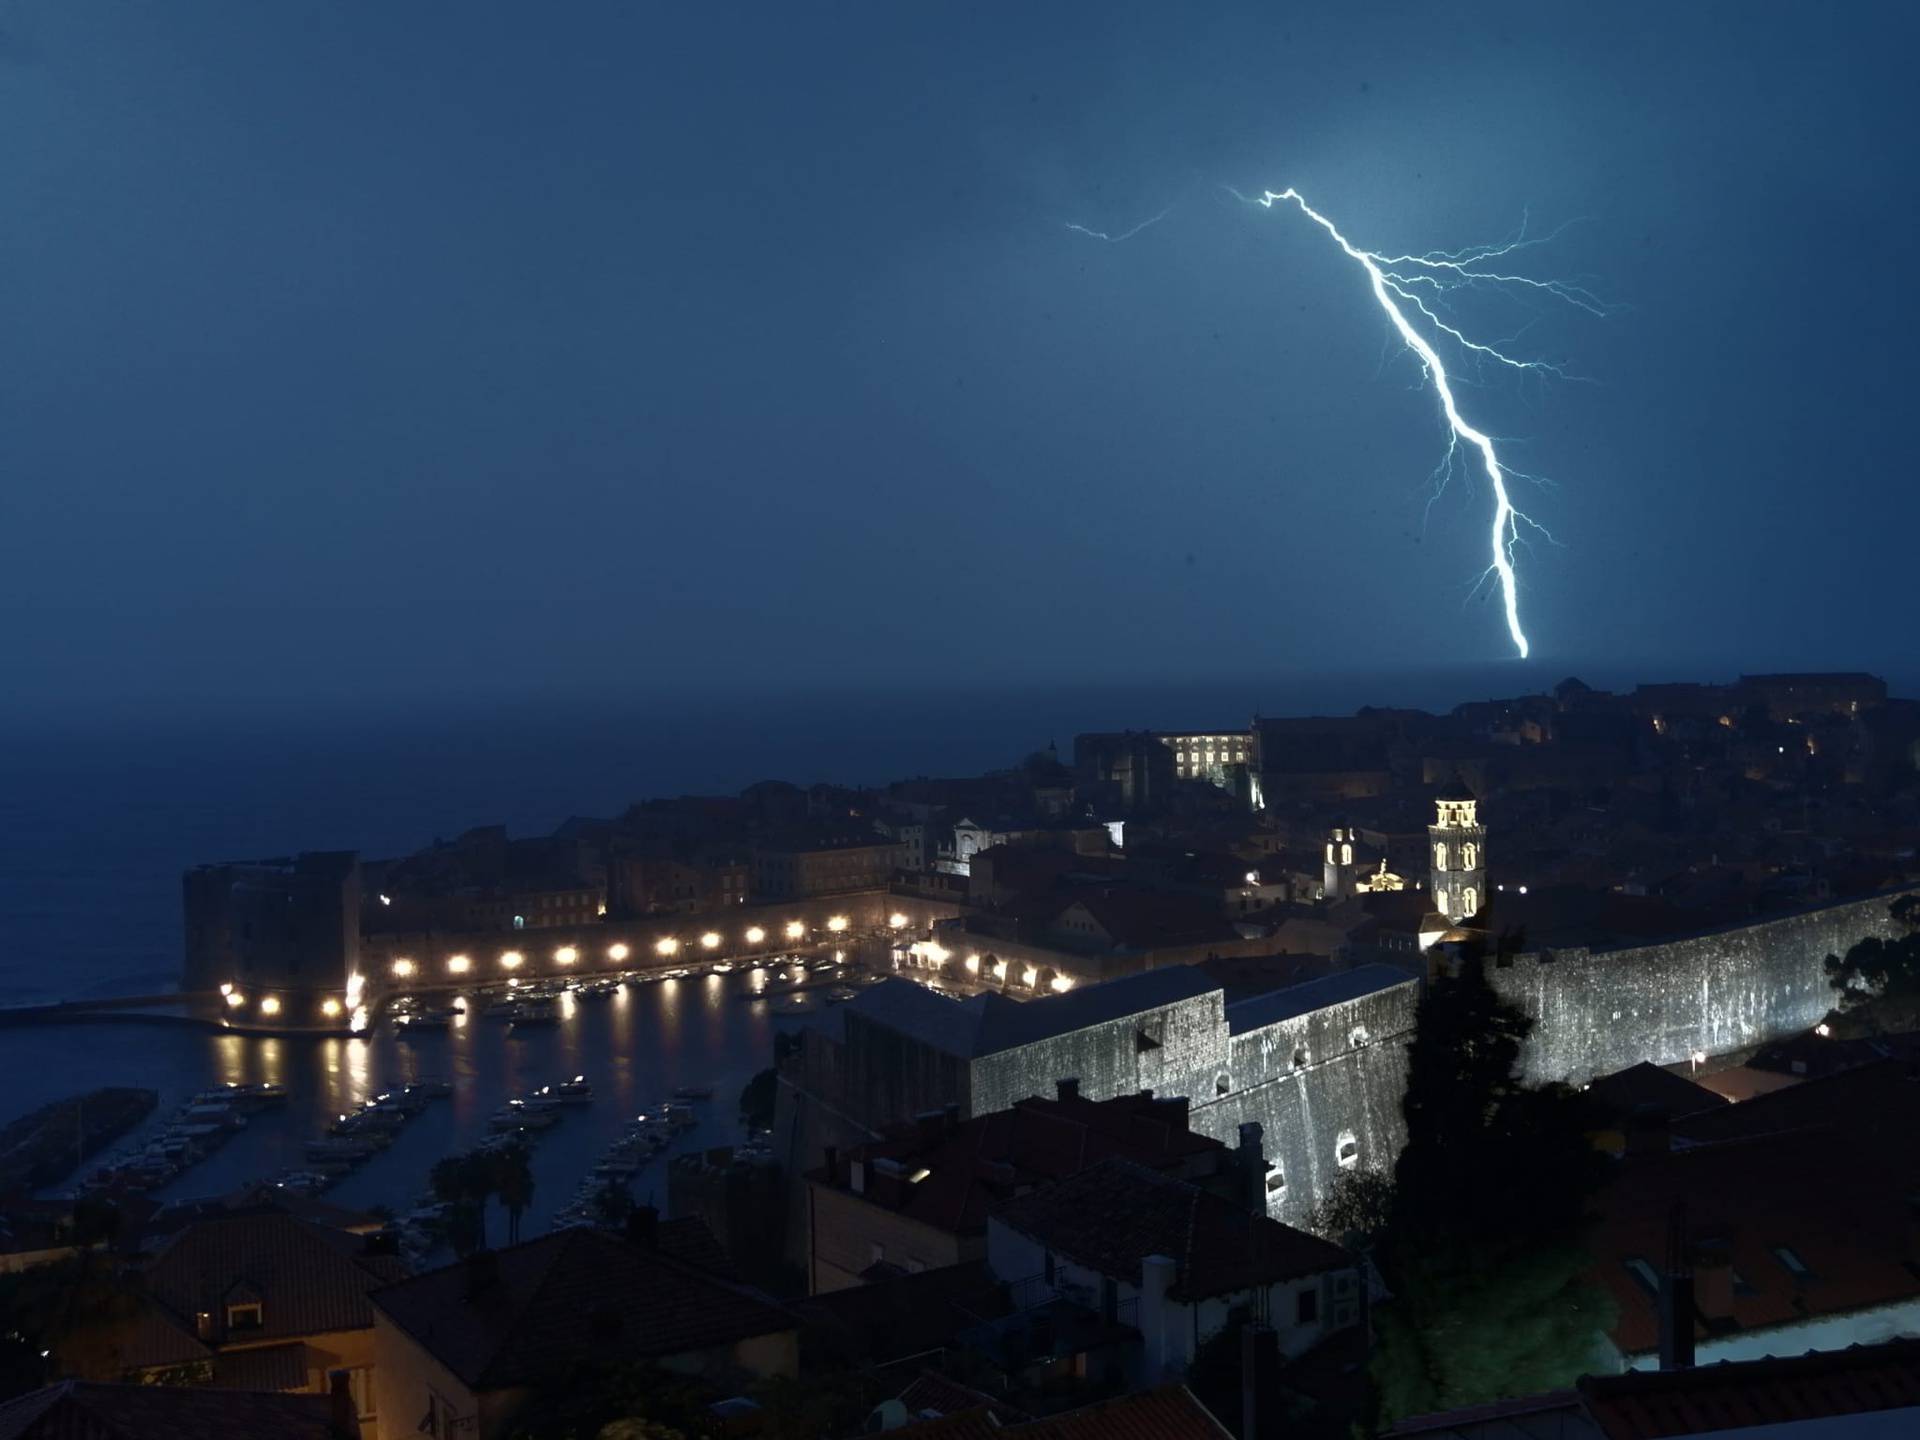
513,1183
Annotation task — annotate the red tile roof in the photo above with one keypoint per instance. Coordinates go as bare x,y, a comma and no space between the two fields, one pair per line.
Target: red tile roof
531,1310
1747,1201
78,1410
309,1279
975,1164
1115,1214
1655,1404
1651,1404
933,1394
1169,1413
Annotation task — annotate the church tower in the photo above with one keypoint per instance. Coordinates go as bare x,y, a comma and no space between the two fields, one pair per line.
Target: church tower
1337,874
1459,843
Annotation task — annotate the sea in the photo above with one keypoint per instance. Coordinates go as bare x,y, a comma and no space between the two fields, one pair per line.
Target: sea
100,815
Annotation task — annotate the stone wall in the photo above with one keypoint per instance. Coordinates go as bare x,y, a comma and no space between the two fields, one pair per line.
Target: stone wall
1189,1048
1601,1011
1350,1084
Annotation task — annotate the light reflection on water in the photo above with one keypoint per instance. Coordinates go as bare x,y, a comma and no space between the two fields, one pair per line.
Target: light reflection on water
635,1047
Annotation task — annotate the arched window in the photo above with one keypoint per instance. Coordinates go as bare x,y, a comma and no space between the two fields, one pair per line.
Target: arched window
1469,855
1329,852
1222,1084
1440,900
1469,902
1347,1150
1440,856
1346,854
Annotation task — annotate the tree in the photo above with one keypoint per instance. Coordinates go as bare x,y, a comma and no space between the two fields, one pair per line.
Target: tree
1357,1211
1484,1249
1878,979
757,1098
68,1318
512,1181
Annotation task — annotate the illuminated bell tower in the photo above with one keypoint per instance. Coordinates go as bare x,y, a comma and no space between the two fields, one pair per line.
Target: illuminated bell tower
1337,873
1459,844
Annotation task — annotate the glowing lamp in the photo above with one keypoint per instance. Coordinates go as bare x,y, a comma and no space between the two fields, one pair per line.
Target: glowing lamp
710,941
459,965
897,920
402,969
666,946
513,960
755,935
617,953
270,1005
566,955
796,930
330,1007
837,924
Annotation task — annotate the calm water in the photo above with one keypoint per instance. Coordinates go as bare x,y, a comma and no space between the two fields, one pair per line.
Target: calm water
635,1047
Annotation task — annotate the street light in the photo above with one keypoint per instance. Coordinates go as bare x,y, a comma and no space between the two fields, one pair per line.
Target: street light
270,1005
330,1007
513,960
710,941
837,924
566,955
402,969
617,953
459,965
666,946
755,935
897,920
796,930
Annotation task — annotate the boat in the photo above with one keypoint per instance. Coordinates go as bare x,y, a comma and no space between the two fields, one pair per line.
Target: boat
338,1148
575,1090
518,1115
535,1012
433,1089
694,1092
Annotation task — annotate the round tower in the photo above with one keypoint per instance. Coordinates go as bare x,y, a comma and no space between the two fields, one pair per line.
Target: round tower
1459,844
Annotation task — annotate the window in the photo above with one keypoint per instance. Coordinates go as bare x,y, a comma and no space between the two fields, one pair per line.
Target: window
360,1385
1347,1150
1307,1307
1222,1084
1790,1258
244,1317
1469,855
1643,1272
1276,1182
1144,1042
1469,901
1358,1036
1440,856
1346,854
1440,899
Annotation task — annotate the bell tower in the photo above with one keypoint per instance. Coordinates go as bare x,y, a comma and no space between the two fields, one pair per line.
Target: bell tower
1337,873
1459,845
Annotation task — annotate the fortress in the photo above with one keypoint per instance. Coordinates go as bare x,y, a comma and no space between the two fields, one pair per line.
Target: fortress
1319,1068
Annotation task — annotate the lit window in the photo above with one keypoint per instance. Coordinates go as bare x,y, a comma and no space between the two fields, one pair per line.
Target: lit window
243,1317
1347,1150
1440,900
1346,854
1440,856
1470,901
1469,855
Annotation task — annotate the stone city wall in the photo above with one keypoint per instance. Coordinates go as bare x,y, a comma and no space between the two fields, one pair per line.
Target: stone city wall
1601,1011
1348,1087
1188,1048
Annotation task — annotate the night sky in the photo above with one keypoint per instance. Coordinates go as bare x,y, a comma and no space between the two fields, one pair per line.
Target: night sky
489,349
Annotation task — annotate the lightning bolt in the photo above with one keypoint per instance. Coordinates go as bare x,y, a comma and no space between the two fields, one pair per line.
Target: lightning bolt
1413,279
1124,234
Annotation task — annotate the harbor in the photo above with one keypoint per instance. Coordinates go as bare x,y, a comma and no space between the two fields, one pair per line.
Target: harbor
604,1079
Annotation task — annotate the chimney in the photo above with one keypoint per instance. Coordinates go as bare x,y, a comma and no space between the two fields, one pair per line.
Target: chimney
483,1268
1676,1296
1067,1088
203,1325
1253,1167
643,1226
343,1415
1713,1279
1259,1362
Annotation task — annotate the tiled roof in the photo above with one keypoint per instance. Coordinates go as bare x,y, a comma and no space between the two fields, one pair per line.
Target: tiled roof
1147,920
906,1316
1335,989
1645,1086
1113,1215
987,1024
78,1410
933,1394
1751,1202
689,1240
270,1367
976,1163
1880,1099
310,1279
528,1311
1735,1395
1169,1413
1651,1404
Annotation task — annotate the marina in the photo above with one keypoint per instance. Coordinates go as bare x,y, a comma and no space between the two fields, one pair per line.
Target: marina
362,1120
